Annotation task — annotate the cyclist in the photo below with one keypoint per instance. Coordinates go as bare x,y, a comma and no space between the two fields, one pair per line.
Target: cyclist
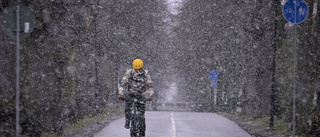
136,83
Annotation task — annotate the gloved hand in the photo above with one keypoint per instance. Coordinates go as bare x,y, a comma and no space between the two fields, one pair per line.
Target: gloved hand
121,97
150,98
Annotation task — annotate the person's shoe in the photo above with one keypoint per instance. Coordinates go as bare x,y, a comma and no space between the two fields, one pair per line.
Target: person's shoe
127,125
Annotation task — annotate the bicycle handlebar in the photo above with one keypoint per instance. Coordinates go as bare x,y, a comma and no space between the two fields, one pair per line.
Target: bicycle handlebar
134,99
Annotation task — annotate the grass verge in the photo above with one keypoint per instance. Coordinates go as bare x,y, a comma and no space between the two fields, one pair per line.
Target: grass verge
260,126
85,124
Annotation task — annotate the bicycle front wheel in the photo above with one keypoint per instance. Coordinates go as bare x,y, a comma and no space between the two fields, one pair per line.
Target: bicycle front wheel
135,128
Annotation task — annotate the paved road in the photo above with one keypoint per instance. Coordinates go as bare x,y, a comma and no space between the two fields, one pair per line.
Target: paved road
179,124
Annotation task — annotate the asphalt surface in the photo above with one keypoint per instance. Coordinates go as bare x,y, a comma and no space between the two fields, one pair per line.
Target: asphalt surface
179,124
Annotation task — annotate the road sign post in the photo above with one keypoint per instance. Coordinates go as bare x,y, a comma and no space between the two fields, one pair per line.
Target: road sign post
17,26
214,76
295,11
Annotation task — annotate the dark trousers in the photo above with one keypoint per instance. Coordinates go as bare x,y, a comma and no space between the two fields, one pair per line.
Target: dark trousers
141,108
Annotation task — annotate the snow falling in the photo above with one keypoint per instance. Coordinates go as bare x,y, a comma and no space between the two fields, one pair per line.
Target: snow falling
73,56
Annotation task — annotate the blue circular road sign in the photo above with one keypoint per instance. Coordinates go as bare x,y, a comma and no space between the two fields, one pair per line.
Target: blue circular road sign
295,11
214,75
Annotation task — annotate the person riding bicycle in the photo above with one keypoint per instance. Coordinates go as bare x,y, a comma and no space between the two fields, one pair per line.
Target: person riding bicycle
135,83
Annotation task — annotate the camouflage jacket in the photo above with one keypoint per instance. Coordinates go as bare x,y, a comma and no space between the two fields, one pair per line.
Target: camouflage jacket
136,83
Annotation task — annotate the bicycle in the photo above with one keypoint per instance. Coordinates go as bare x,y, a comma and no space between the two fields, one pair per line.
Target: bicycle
137,124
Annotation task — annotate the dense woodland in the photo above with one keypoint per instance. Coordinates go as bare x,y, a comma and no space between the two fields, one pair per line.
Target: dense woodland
71,63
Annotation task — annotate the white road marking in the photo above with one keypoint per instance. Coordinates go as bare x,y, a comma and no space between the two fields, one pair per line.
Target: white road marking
173,126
